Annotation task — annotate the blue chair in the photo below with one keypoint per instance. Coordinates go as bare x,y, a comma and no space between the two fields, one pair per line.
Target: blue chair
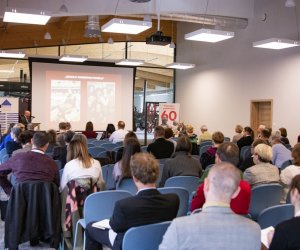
109,146
226,139
161,169
144,149
245,152
203,149
5,158
3,152
94,151
190,183
162,161
147,237
183,195
127,184
119,144
90,145
274,215
98,143
205,143
286,164
264,196
98,206
107,176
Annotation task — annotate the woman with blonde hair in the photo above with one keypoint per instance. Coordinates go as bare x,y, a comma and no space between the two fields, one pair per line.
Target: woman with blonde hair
263,172
80,165
238,135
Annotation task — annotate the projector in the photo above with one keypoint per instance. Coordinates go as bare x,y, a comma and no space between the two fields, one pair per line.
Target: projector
158,38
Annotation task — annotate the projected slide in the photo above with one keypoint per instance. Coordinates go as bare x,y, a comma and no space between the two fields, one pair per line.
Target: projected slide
78,94
65,101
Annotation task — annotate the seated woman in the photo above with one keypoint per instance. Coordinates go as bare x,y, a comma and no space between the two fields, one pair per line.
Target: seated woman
247,138
182,162
284,140
286,235
208,157
291,171
263,172
11,146
238,135
52,141
122,169
89,131
193,138
109,130
280,152
6,137
25,140
80,165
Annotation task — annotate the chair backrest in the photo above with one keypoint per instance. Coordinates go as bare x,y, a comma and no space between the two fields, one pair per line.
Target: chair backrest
100,205
162,161
144,149
203,149
3,152
264,196
272,216
107,171
183,195
119,144
147,237
286,164
5,158
205,143
99,143
94,151
226,139
190,183
245,151
127,184
161,169
90,145
109,146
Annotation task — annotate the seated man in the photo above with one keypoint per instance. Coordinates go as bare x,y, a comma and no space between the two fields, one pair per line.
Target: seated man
227,152
216,227
118,135
160,148
147,207
33,165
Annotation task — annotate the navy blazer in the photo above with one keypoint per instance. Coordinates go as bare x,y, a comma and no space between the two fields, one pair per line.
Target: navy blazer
147,207
161,148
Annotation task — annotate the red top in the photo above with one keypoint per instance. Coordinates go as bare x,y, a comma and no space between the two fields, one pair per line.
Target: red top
239,205
90,134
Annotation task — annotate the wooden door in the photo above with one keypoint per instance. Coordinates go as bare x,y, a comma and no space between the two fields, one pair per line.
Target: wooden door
261,113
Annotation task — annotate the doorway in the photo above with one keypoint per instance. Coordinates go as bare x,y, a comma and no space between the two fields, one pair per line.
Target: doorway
261,113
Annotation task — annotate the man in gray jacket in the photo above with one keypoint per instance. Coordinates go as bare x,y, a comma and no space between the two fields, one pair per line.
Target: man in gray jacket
216,227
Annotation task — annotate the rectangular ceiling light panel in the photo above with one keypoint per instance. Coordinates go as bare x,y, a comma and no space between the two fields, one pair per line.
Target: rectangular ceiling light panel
180,65
126,26
25,16
130,62
209,35
73,58
11,54
276,43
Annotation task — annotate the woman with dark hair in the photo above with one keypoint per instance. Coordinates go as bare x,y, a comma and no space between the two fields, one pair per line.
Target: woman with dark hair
89,131
15,144
286,235
80,165
52,140
6,137
284,138
182,163
109,130
247,139
25,140
122,168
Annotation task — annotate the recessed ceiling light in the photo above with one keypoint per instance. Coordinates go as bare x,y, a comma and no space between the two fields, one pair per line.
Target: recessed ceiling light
130,62
177,65
73,58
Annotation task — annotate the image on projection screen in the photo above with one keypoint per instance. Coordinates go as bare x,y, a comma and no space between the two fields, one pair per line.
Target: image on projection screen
65,101
80,93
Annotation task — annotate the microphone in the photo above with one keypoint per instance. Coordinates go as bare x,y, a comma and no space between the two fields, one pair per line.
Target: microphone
32,116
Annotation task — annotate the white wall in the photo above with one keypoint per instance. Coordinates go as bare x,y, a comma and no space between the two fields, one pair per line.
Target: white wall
231,73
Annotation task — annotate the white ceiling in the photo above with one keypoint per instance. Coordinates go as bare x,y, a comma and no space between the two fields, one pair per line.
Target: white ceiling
233,8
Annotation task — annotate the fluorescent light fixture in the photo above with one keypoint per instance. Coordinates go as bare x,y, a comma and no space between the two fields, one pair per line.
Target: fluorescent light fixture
11,54
73,58
276,43
130,62
6,71
209,35
177,65
27,16
126,26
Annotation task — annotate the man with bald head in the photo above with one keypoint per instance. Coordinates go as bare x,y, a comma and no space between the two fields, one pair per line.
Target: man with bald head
118,135
217,226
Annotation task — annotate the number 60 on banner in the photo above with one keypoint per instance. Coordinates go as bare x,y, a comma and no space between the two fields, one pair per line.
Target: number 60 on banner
170,115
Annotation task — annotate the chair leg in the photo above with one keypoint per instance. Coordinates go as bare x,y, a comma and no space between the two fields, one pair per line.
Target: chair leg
75,236
84,238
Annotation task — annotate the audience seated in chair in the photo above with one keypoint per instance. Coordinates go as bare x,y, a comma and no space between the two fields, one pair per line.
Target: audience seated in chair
216,227
205,135
208,157
147,207
247,139
291,171
160,148
227,152
118,135
263,172
286,235
182,163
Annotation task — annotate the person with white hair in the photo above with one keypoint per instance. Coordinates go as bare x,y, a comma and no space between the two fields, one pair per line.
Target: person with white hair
217,226
205,135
